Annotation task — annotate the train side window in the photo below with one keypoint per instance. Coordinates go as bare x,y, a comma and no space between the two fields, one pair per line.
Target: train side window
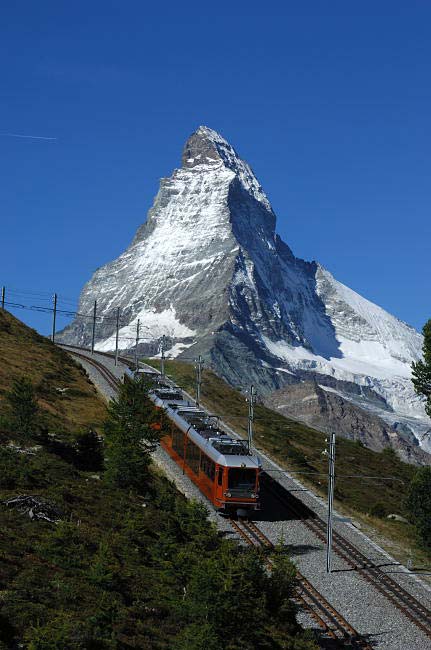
208,467
193,456
178,442
220,475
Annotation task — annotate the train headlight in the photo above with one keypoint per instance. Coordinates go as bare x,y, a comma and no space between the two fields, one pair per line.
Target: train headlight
253,496
227,494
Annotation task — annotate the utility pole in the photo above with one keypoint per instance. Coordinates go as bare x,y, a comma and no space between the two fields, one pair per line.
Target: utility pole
117,330
3,294
331,483
251,403
162,350
54,317
93,334
136,345
199,362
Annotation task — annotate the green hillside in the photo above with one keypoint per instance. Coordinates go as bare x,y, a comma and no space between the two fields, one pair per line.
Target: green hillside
25,353
97,559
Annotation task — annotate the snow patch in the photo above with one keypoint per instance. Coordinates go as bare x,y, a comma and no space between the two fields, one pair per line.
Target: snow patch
153,325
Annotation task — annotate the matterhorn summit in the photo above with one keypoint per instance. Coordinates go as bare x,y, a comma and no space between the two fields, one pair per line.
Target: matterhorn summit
208,271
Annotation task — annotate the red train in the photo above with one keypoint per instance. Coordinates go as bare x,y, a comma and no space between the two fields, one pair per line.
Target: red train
220,465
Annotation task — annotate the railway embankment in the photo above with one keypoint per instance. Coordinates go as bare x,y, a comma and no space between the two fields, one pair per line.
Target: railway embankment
386,604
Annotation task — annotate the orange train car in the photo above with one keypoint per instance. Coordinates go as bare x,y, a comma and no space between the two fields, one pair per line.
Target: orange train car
222,467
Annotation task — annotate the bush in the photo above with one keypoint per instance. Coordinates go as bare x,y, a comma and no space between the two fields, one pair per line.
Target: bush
14,470
379,509
23,406
89,451
62,633
418,504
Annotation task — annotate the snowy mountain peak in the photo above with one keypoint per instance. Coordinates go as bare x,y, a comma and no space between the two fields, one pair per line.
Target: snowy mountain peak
206,147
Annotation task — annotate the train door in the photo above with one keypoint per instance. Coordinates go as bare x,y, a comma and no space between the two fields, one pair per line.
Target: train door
219,483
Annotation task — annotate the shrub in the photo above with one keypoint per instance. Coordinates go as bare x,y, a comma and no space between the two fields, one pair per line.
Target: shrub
89,451
23,405
418,503
379,509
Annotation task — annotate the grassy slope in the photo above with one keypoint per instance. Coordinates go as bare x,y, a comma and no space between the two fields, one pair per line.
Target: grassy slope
24,353
299,448
122,570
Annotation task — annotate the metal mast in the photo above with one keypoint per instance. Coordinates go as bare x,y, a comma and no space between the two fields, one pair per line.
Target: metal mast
93,332
331,483
251,402
162,360
117,331
136,344
54,317
199,362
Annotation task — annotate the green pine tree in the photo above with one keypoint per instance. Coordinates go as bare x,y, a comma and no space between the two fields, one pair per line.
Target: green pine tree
421,370
89,451
23,406
419,504
129,436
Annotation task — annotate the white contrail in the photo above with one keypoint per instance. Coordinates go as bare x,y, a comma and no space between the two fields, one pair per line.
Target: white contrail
30,137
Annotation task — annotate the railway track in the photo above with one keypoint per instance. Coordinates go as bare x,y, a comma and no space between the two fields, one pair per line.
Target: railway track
110,355
399,597
107,375
333,626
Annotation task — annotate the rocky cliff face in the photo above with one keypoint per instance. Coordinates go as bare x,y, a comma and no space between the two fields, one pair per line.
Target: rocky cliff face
208,271
324,409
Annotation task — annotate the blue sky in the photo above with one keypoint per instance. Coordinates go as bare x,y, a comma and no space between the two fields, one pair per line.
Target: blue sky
330,103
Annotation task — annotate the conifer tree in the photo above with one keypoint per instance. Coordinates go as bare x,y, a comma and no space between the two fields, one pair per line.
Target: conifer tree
129,436
89,451
419,504
421,370
24,408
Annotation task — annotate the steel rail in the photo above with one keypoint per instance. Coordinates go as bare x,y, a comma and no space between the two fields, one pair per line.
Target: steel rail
329,620
415,611
109,377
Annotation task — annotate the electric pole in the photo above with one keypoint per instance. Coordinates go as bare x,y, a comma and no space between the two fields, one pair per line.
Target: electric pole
251,402
117,331
93,333
199,362
3,293
54,317
162,350
136,345
331,483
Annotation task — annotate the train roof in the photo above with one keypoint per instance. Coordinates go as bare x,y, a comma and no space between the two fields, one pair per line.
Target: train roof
201,427
216,444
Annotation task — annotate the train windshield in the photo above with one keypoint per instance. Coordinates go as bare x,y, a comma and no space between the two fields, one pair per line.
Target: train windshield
244,479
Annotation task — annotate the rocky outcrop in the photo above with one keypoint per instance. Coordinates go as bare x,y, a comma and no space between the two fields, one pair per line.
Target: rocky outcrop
35,507
325,410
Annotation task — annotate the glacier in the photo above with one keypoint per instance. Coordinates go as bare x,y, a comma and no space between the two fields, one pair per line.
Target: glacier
208,270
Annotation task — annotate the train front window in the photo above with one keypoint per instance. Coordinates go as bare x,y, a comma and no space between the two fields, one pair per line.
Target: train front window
242,479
